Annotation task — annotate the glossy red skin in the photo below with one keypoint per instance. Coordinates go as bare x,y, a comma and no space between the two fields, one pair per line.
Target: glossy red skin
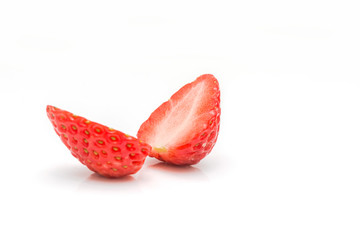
202,139
103,150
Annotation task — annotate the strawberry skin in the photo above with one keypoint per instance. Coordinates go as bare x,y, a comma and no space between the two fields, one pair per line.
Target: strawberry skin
184,130
103,150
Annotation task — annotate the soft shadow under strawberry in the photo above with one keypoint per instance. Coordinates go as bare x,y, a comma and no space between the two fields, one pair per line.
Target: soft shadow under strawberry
98,178
95,183
175,168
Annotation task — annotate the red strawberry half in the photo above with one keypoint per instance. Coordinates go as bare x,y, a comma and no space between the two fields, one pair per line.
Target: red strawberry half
184,129
103,150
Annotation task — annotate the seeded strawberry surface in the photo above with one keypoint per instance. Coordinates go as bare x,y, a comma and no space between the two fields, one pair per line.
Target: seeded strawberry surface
184,129
103,150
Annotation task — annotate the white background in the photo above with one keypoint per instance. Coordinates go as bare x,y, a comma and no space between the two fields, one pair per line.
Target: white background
287,161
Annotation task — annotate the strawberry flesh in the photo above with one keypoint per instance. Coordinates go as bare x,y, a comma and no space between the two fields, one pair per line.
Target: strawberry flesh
184,129
103,150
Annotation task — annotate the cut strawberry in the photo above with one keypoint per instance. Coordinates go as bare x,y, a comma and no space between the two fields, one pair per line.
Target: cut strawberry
103,150
184,129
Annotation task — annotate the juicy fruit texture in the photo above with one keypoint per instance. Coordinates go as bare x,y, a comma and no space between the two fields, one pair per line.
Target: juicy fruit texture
184,129
103,150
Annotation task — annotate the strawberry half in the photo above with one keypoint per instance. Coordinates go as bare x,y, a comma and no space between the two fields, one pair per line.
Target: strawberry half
184,129
103,150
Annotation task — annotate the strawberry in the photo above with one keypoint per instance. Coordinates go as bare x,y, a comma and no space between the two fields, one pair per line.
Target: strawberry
184,129
103,150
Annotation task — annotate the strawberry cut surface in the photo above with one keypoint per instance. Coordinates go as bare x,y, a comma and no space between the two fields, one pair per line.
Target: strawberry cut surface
103,150
184,129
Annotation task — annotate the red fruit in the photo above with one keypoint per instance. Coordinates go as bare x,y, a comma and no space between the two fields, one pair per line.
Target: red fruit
184,129
103,150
